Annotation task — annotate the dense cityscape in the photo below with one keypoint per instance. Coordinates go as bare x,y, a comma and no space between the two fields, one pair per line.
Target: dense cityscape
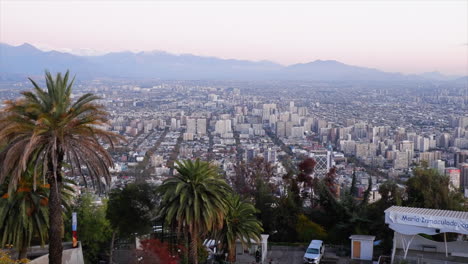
385,132
224,132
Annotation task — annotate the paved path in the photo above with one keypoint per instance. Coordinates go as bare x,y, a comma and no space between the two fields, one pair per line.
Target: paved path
283,254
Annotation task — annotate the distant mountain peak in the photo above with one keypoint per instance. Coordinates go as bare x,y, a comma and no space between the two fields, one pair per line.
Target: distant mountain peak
28,60
26,45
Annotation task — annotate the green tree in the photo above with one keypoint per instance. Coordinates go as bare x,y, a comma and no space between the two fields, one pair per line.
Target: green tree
265,202
353,189
240,223
94,230
428,189
308,230
195,200
130,210
45,126
285,218
367,193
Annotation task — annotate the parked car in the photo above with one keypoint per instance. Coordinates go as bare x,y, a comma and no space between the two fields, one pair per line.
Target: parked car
314,252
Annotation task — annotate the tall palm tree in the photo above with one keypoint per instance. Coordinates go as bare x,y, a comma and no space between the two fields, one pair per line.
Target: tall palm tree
240,223
46,126
24,213
195,200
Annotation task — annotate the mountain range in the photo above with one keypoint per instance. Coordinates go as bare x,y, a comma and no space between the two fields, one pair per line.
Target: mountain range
27,60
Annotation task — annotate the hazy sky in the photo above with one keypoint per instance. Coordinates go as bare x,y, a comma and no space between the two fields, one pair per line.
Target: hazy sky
404,36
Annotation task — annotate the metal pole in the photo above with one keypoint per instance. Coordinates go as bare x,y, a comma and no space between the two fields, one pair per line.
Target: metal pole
394,246
445,242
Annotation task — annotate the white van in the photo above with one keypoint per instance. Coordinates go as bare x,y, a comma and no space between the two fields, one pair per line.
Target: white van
314,252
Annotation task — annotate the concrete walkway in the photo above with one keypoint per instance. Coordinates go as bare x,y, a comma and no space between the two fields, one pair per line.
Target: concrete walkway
289,255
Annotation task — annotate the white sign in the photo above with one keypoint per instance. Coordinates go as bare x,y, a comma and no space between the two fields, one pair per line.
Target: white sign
445,224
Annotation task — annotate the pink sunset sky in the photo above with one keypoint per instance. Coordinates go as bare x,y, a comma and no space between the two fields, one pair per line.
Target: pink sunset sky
395,36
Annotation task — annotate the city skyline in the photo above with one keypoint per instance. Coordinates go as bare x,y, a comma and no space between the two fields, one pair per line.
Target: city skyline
409,37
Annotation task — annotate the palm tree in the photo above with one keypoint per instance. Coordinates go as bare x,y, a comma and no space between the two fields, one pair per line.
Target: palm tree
240,223
46,127
195,200
24,214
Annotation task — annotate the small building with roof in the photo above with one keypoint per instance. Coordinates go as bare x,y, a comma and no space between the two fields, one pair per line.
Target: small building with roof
408,222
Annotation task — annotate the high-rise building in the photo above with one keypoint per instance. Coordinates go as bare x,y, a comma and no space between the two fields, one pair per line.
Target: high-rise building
424,144
463,175
297,132
439,165
463,122
281,129
444,140
191,125
454,176
461,157
321,159
401,160
288,129
201,126
268,109
269,155
223,126
174,124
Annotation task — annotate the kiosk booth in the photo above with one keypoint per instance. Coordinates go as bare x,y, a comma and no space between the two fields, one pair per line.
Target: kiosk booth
408,222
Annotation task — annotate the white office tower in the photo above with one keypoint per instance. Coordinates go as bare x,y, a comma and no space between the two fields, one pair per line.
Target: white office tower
268,109
459,132
173,124
438,165
191,125
296,119
289,126
424,144
308,124
401,160
223,126
281,129
348,147
407,145
297,132
292,108
463,121
201,126
272,120
444,140
269,155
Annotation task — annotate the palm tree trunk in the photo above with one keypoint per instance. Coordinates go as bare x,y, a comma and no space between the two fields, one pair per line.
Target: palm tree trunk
194,245
112,247
55,220
23,252
232,251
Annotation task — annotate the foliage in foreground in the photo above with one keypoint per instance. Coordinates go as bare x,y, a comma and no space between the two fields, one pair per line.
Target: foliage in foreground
6,259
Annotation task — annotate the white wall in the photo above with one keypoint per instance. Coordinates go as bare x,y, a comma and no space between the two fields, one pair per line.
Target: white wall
367,249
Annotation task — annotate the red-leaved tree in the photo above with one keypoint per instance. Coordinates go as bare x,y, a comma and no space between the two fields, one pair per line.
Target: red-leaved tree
156,252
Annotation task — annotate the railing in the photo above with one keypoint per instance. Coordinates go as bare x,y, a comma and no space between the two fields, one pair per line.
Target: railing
422,260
